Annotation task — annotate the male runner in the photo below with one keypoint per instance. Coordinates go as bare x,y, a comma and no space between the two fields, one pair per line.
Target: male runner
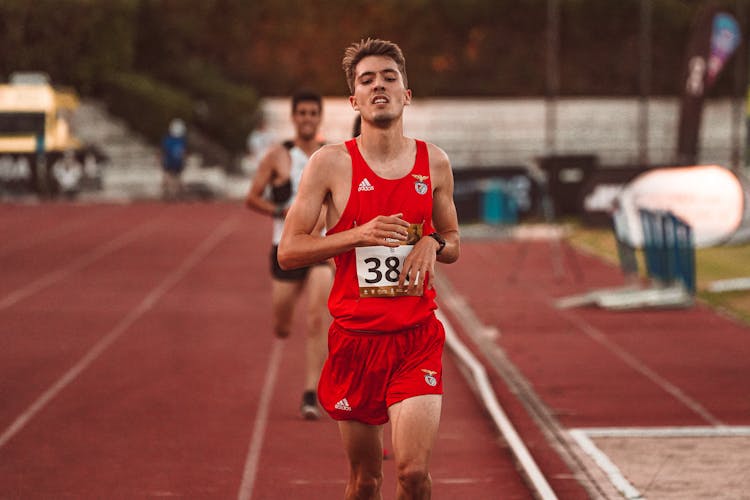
280,170
390,213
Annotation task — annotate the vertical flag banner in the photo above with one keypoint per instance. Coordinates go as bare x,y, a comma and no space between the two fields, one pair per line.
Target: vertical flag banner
725,38
715,37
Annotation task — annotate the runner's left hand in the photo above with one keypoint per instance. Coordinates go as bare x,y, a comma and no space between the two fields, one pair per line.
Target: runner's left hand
419,264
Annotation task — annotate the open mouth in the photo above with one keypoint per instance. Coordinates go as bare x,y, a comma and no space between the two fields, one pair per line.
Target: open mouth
380,100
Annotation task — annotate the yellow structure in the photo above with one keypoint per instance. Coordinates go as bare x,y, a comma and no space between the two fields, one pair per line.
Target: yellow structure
28,96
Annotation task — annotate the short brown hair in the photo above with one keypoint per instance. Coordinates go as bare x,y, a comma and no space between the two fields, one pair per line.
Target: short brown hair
305,95
371,47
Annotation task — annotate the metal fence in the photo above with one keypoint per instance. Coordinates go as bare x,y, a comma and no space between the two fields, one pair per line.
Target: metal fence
669,248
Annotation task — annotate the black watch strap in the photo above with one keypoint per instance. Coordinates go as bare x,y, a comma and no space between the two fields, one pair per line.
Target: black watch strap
439,239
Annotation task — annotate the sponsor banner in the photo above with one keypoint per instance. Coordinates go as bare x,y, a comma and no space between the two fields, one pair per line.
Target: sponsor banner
710,198
693,90
725,38
714,39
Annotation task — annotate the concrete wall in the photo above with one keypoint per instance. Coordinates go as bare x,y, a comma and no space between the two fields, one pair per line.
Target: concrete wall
499,132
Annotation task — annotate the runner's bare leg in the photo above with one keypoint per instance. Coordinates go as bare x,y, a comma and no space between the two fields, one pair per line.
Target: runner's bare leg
319,282
414,426
284,296
364,448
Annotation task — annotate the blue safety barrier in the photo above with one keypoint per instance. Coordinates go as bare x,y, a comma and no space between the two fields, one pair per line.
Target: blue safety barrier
668,248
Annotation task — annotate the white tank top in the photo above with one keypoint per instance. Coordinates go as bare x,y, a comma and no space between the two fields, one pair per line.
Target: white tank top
299,160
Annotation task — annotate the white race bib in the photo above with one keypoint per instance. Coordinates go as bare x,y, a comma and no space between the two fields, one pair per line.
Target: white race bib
379,268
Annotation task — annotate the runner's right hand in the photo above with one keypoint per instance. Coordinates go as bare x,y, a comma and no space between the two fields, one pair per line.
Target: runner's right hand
385,230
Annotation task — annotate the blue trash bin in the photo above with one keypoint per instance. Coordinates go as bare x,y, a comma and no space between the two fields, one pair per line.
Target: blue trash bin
498,205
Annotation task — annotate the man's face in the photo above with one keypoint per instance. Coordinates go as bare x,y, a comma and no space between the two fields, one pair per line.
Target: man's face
379,91
306,118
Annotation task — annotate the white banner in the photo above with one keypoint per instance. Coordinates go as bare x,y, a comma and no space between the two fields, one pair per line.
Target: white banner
709,198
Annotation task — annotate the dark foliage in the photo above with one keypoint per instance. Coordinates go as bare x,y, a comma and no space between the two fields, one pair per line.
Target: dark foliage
223,54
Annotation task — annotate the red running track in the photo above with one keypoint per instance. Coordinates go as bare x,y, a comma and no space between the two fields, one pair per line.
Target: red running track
592,367
136,362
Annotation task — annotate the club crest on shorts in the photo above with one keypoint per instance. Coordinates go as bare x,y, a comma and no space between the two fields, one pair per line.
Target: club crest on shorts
420,185
429,377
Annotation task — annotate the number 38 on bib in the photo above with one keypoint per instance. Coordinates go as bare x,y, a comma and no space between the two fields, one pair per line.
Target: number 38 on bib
379,267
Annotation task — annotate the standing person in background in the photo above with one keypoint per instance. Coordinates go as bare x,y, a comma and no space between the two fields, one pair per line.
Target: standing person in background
280,171
173,152
390,215
67,172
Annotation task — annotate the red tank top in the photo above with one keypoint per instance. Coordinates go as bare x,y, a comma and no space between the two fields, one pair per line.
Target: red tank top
364,296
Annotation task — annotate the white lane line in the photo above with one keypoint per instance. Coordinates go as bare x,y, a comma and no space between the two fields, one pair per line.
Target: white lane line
629,359
146,304
490,402
610,469
583,437
666,432
261,420
636,364
76,265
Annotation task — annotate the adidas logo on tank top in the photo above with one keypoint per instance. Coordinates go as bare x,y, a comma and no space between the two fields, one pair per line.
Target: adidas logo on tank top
365,186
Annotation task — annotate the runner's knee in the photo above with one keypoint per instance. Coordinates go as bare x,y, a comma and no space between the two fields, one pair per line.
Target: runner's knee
366,486
282,331
282,324
413,478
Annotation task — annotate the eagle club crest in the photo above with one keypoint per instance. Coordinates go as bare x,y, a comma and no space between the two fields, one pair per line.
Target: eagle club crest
430,377
420,185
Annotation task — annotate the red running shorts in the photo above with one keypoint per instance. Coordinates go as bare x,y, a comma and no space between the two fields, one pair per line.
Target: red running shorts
365,373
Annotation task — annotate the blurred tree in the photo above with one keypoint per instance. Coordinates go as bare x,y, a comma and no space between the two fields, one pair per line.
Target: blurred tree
74,42
224,53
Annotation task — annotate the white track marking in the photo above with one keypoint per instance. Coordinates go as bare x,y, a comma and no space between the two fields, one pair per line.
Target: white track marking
490,402
79,263
583,438
602,460
666,432
636,364
261,420
107,340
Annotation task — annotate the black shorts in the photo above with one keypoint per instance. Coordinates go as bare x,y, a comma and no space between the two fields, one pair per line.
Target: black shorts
298,274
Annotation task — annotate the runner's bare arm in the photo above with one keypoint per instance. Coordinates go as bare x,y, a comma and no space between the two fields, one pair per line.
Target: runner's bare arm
262,178
321,186
422,258
320,226
444,216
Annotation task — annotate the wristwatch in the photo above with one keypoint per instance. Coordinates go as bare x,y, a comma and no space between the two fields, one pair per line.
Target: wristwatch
441,241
